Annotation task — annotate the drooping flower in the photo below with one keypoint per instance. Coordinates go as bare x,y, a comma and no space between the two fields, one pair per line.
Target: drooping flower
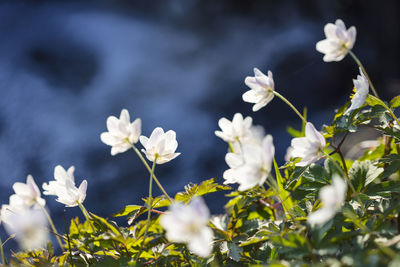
308,148
188,224
64,187
252,166
338,41
122,134
29,193
332,198
28,225
161,145
361,90
236,130
261,87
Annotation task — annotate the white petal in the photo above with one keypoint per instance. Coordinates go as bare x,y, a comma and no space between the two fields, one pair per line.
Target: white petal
321,216
112,124
124,117
144,140
201,244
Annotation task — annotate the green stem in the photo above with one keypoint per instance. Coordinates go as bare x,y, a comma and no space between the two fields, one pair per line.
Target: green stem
364,71
154,177
3,257
87,215
289,104
52,227
391,113
150,203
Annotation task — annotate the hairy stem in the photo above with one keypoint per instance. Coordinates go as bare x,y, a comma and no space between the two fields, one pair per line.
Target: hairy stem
365,72
149,169
52,227
150,203
289,104
3,257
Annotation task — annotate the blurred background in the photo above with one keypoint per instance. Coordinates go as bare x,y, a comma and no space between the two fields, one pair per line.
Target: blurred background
65,66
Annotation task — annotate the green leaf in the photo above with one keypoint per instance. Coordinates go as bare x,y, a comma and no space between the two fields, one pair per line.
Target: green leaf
333,167
110,225
206,187
234,251
128,209
383,187
373,101
392,164
316,173
363,173
285,195
395,102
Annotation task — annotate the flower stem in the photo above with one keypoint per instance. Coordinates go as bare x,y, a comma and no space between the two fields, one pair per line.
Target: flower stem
86,214
289,104
150,203
52,227
154,177
364,71
3,257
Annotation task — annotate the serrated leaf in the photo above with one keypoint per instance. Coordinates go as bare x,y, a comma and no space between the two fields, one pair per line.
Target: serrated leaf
316,173
110,225
363,173
234,251
206,187
128,209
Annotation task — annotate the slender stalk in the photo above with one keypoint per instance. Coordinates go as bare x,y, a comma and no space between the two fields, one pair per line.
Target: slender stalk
86,214
68,241
3,257
149,207
289,104
154,177
364,71
52,227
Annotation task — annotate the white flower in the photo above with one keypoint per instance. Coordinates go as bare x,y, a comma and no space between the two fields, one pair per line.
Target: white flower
338,41
64,187
28,225
188,224
361,90
236,130
122,134
288,154
332,198
261,87
161,145
308,148
29,193
252,166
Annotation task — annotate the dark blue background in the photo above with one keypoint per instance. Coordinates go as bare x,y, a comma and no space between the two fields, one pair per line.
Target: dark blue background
65,66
